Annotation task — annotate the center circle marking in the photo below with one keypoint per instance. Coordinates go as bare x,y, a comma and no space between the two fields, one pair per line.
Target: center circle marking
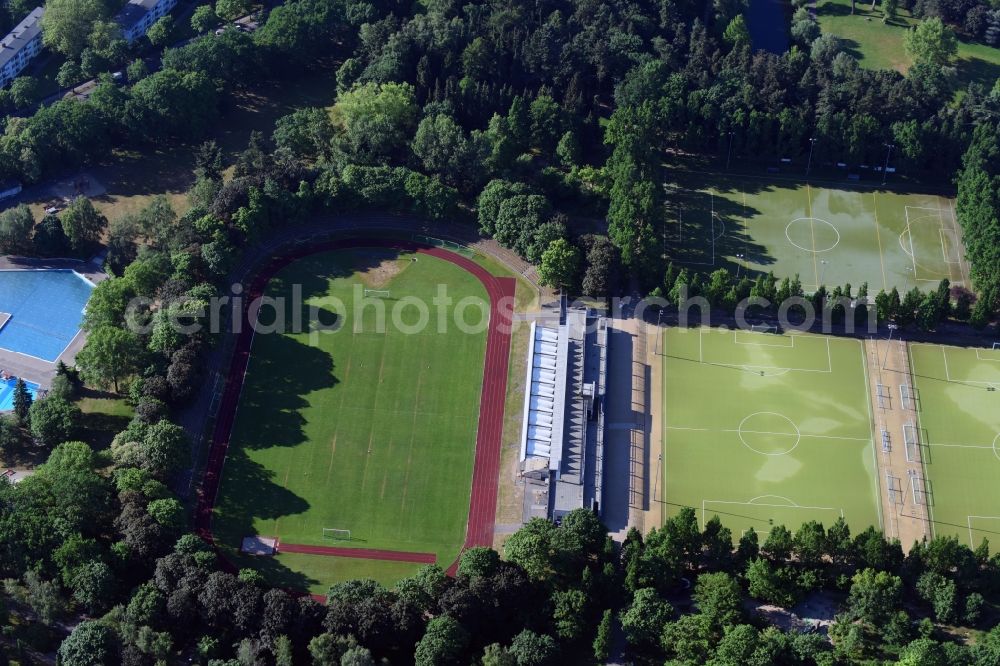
812,220
797,434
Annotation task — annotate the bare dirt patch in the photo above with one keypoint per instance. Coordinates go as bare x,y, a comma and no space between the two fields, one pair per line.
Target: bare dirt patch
377,268
83,184
814,613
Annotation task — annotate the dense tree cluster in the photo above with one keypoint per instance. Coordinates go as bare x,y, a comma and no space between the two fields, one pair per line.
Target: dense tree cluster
976,19
536,120
979,208
764,297
940,579
566,109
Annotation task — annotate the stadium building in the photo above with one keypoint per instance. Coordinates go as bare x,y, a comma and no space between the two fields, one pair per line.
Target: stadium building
562,436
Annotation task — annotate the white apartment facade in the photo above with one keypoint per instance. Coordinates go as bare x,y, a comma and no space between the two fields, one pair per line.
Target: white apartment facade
137,16
22,44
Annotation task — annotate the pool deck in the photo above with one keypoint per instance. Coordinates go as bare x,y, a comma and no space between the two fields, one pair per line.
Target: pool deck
89,269
35,369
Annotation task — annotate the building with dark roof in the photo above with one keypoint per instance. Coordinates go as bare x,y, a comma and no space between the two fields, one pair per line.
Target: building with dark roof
22,44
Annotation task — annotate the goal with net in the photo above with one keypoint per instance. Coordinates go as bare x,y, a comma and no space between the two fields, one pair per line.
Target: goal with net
918,488
906,397
763,328
912,443
376,293
333,534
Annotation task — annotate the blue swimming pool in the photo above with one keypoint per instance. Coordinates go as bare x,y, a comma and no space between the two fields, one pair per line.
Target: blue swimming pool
45,309
7,393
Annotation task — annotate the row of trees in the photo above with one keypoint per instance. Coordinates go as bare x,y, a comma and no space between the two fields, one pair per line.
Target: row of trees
558,592
74,232
764,294
979,211
941,581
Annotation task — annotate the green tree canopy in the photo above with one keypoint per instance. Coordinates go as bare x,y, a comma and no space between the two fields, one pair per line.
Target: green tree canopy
53,420
560,264
83,224
67,24
374,120
931,42
90,644
109,355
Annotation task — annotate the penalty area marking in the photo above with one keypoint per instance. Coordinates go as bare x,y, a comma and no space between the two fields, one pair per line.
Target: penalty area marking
968,520
752,369
991,360
757,369
950,379
713,235
934,213
812,220
755,334
790,504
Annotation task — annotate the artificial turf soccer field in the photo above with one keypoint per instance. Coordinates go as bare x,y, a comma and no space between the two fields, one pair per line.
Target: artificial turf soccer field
764,429
826,234
958,411
372,432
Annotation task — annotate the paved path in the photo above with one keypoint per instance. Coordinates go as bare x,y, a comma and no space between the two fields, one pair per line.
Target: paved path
888,372
626,483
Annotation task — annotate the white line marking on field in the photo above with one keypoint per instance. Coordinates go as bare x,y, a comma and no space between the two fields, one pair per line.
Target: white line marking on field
793,505
767,432
968,520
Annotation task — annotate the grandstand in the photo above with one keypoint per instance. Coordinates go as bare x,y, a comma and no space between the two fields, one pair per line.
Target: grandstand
562,436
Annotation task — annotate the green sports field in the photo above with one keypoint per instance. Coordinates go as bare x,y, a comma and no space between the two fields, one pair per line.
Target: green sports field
958,391
764,429
826,234
372,432
877,45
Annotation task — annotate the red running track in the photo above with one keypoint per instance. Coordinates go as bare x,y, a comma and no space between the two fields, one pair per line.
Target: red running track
486,471
361,553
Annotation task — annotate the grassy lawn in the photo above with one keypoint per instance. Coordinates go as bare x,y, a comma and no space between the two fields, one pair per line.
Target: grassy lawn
132,178
368,431
880,46
785,438
959,417
294,571
104,416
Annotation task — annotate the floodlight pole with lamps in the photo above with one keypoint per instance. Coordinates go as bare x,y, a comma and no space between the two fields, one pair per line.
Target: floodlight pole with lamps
812,144
885,359
885,169
822,274
739,265
656,479
659,323
729,153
